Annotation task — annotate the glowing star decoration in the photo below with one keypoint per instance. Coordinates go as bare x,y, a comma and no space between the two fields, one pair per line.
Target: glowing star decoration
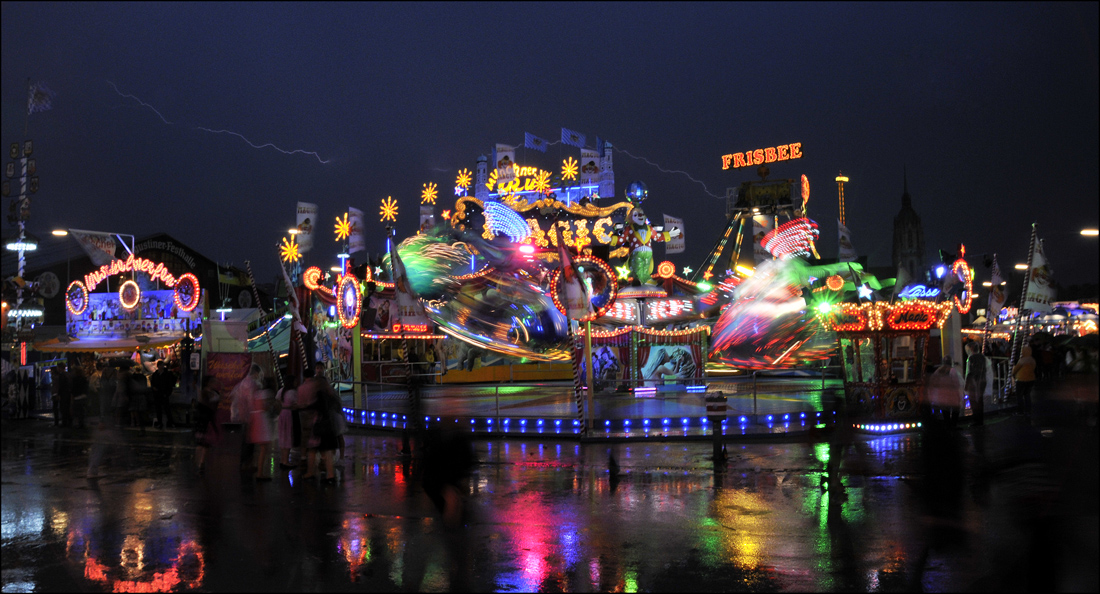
541,183
623,272
688,270
464,178
428,195
288,250
343,228
569,169
865,291
460,191
388,210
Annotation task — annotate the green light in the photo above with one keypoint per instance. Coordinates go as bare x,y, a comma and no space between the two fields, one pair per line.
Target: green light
630,581
824,307
704,286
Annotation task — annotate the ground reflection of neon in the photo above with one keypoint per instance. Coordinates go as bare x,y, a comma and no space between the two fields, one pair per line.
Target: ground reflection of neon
528,516
355,545
187,570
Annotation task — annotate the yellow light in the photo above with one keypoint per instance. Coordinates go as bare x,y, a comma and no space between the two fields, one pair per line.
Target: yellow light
1021,267
343,228
335,268
745,271
288,251
463,180
428,195
842,178
63,233
389,209
569,169
293,231
987,284
1090,232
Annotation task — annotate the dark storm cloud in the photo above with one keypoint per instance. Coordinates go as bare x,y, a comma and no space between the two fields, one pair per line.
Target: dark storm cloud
991,107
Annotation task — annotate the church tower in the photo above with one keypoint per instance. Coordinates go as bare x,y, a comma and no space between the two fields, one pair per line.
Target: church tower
908,236
481,177
607,172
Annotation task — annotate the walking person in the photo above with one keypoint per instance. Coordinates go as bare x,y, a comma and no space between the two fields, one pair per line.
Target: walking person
163,382
308,398
108,384
120,403
78,385
976,380
61,394
945,392
240,408
289,433
207,428
137,393
1024,375
261,428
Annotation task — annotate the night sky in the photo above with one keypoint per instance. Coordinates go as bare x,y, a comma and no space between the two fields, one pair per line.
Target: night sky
992,108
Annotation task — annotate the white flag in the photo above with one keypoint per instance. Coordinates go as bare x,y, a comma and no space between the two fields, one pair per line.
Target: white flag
846,252
100,247
590,166
307,220
676,244
996,293
505,161
1040,286
761,225
356,243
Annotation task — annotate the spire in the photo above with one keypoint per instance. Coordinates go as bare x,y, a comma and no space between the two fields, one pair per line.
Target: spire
906,200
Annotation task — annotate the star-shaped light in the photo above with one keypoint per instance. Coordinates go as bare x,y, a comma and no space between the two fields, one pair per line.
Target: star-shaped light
447,214
623,272
687,270
427,196
463,180
865,291
729,272
343,228
288,251
542,182
707,275
389,209
460,191
569,169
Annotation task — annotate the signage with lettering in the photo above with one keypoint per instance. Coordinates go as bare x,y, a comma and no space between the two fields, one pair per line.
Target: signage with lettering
782,152
919,292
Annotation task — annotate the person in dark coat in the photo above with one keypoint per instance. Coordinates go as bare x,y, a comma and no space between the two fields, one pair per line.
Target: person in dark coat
163,382
62,397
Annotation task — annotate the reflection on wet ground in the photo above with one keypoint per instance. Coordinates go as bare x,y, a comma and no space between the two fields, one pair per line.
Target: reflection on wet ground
549,516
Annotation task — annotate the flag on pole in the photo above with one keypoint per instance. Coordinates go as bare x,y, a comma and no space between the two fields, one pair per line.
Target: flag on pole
534,142
577,303
590,166
996,293
100,247
307,220
356,243
39,98
572,138
504,159
846,252
761,226
1040,286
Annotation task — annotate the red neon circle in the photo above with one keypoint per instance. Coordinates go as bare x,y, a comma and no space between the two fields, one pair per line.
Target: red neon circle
555,278
834,282
347,281
967,277
83,298
193,281
311,278
122,295
666,269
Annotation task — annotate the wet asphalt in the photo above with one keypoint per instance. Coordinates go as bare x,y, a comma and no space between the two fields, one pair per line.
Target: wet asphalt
1009,506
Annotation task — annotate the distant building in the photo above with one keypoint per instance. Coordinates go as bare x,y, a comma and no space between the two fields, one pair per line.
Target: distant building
908,237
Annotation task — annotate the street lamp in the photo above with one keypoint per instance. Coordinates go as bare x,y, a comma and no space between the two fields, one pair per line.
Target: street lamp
1090,232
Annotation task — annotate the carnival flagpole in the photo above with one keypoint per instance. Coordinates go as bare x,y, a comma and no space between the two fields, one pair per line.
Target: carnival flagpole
989,299
259,306
1020,309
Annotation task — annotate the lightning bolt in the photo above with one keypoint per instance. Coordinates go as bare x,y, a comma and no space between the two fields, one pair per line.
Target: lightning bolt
141,102
688,175
250,143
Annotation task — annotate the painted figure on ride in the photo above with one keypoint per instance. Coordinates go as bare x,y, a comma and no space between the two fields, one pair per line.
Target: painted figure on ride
638,235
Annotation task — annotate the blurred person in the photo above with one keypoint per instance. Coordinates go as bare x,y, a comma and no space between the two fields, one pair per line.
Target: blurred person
448,460
326,427
1023,373
163,382
240,409
101,438
78,385
288,429
945,392
261,427
108,383
120,403
207,428
61,394
307,412
976,380
137,394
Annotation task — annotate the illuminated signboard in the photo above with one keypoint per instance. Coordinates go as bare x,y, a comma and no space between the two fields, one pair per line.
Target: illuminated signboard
625,311
782,152
919,292
660,310
155,270
581,226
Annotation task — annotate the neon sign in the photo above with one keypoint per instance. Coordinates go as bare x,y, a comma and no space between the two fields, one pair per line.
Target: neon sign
534,180
663,309
782,152
919,292
155,270
348,302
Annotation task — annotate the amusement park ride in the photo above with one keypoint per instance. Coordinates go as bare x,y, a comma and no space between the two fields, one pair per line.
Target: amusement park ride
540,263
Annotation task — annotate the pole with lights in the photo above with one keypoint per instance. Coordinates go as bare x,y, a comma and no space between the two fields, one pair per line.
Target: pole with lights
840,180
1020,311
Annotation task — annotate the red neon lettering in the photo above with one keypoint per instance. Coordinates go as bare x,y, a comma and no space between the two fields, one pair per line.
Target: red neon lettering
726,161
784,153
796,150
769,155
758,156
739,160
